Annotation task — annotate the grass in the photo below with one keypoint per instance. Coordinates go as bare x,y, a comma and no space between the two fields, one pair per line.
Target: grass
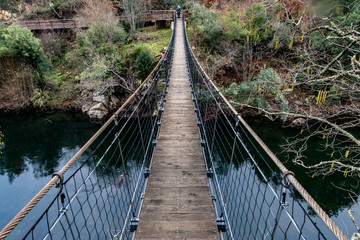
154,41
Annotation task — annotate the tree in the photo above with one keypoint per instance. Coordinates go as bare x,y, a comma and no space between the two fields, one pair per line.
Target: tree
207,25
144,64
313,52
100,61
328,65
97,11
134,9
20,43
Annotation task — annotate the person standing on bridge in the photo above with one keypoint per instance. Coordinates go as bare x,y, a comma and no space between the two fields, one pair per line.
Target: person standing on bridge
178,10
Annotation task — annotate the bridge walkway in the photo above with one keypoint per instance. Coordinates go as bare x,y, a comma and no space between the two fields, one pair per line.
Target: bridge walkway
177,202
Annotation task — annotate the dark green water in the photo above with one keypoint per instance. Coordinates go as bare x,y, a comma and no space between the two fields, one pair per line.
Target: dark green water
327,191
37,145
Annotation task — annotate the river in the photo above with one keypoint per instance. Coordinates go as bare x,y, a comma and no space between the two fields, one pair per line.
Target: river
37,144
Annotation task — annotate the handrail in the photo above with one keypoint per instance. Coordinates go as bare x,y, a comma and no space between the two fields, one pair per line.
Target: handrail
315,206
55,178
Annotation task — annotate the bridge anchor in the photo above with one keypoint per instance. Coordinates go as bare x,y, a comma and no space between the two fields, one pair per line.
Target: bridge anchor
147,172
220,222
134,224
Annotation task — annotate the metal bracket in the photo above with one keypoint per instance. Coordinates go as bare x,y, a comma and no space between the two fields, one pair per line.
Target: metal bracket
62,210
61,178
147,172
220,222
158,123
286,186
134,222
116,120
209,173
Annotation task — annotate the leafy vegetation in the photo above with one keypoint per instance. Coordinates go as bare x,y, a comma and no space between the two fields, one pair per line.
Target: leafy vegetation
154,41
207,25
289,60
144,64
20,43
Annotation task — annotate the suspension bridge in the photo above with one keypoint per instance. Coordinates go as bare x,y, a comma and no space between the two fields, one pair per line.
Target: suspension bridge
175,161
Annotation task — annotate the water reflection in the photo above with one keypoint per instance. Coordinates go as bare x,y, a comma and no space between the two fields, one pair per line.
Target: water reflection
322,189
35,146
40,141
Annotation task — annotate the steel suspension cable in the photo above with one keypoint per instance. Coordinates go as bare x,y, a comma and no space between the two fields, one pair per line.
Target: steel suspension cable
320,212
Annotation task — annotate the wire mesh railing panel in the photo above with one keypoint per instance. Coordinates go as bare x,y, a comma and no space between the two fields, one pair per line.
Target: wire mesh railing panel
250,197
102,198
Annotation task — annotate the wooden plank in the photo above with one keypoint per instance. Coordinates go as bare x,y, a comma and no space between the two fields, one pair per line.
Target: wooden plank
177,203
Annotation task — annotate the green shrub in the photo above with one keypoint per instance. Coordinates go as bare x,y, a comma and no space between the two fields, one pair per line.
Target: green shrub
144,64
283,35
258,22
247,92
40,98
100,40
272,82
98,60
101,34
270,77
235,29
9,5
20,43
208,25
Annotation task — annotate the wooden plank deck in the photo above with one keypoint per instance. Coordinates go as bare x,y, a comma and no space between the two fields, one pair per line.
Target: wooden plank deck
177,202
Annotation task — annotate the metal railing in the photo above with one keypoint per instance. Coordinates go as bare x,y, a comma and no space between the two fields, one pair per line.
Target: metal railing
254,195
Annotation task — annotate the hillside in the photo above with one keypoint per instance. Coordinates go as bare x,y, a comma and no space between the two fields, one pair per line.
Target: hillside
76,69
291,62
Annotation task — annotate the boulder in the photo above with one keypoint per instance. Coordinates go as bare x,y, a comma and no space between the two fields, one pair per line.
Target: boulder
114,101
97,114
102,99
299,122
86,107
98,111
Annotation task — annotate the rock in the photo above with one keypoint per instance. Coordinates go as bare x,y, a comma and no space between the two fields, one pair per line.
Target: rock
97,114
98,106
102,99
98,111
86,107
193,48
114,100
299,122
